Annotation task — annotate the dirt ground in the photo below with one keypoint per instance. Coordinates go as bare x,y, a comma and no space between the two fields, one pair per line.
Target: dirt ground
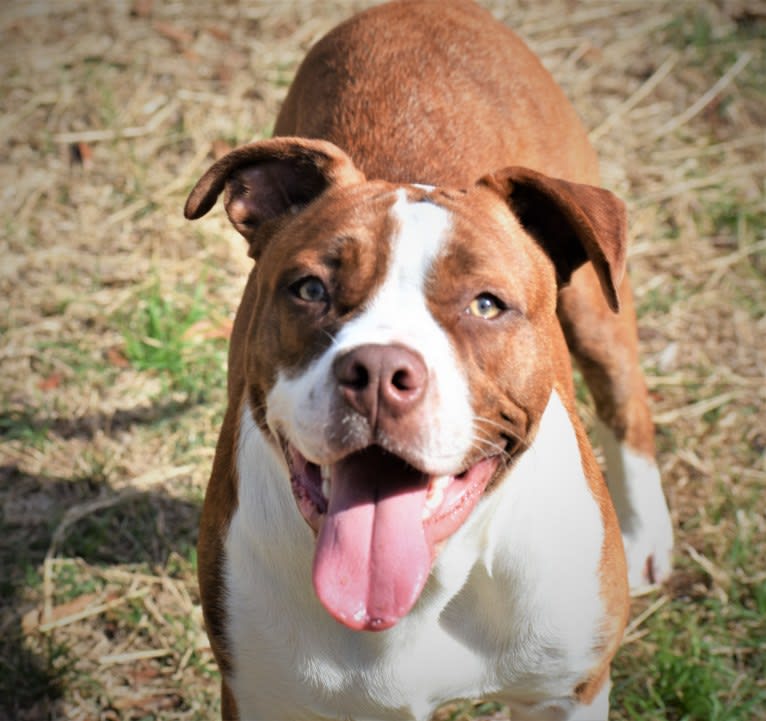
114,314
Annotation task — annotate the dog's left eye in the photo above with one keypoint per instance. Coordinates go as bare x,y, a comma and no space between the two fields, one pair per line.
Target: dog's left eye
310,289
485,306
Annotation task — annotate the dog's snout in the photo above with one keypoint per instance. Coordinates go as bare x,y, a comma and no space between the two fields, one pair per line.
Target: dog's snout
381,380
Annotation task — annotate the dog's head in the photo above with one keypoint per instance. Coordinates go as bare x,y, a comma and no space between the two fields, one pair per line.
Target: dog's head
400,345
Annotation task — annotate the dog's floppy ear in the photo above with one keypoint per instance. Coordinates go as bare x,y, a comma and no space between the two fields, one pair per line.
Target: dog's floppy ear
268,179
573,223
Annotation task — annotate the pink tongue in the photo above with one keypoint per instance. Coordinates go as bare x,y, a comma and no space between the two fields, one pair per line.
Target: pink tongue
372,558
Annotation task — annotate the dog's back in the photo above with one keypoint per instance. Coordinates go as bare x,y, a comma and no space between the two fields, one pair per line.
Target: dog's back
396,85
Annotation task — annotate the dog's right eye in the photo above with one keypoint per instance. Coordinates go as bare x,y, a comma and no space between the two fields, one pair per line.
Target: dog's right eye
309,289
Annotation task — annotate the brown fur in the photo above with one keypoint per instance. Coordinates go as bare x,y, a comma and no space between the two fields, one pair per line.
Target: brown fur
420,64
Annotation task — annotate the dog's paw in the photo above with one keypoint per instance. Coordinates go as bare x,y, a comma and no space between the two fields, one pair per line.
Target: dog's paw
647,529
649,549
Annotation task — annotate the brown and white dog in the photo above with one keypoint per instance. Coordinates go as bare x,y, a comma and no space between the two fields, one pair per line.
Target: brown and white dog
401,452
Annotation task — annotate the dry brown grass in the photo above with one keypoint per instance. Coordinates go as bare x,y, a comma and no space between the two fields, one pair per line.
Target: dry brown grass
110,110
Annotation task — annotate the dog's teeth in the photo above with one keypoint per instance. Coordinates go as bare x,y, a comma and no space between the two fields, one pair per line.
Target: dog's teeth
435,498
325,470
435,495
433,501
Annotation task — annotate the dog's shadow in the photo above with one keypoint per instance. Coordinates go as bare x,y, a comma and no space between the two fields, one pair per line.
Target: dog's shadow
142,528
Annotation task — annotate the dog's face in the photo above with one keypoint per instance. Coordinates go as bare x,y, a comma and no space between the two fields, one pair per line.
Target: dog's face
398,351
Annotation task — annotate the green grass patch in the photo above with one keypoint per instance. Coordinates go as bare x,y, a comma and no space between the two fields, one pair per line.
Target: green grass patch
167,335
699,28
661,300
700,661
71,583
731,214
703,657
23,426
714,46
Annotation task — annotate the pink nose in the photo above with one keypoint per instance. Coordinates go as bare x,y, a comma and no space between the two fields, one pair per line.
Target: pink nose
381,381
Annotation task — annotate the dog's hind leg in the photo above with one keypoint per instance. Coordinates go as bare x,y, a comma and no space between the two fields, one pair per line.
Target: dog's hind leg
605,347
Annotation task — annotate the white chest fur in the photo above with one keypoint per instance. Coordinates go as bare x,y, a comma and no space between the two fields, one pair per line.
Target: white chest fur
511,611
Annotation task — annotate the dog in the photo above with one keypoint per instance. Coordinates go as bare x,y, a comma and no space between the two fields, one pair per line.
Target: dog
404,506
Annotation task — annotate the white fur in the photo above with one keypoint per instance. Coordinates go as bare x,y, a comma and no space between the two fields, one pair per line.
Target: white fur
397,314
512,609
636,490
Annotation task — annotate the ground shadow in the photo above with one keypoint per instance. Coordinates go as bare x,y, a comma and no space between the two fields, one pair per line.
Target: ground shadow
142,529
20,425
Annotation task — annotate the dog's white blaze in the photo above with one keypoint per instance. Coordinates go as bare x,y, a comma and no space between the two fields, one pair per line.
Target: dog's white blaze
299,407
512,610
636,490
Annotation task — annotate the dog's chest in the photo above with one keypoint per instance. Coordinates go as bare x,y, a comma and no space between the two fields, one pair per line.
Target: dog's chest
507,608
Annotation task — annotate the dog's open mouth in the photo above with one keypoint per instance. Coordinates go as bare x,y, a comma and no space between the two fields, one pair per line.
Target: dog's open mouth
378,521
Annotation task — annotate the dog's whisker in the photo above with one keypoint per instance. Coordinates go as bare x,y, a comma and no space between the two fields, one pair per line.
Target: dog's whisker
512,440
490,422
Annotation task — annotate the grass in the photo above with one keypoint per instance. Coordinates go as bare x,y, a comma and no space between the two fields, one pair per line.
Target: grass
706,653
115,313
174,337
